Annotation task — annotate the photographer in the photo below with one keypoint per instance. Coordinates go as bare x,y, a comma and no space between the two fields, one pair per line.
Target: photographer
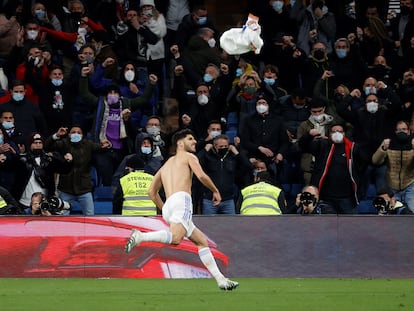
36,170
307,202
386,204
39,205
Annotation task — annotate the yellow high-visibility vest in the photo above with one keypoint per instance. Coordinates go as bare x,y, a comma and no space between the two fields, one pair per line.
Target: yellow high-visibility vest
3,203
260,199
135,187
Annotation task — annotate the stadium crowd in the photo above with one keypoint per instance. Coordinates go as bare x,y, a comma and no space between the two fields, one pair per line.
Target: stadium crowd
327,104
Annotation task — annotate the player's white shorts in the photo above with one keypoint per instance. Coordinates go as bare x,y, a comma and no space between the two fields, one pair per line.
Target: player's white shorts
178,208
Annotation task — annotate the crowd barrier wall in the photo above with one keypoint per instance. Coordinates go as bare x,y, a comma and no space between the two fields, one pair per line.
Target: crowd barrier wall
244,246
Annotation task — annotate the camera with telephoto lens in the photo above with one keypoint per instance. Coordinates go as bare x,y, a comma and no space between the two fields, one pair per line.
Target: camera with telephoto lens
381,205
55,205
307,198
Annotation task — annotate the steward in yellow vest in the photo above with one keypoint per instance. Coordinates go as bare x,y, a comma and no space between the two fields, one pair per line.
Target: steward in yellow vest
8,204
262,198
134,190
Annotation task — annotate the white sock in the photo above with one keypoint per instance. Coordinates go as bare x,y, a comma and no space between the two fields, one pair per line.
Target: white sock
157,236
208,260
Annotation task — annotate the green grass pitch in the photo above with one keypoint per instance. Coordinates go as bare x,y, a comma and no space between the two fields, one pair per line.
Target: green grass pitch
203,294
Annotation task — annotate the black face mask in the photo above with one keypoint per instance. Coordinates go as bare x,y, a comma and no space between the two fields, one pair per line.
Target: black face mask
402,137
222,152
318,54
37,152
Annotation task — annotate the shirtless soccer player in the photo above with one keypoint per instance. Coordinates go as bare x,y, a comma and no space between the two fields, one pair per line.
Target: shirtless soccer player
175,177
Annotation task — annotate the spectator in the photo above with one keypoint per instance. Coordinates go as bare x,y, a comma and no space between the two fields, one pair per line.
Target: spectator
153,129
131,197
214,129
398,155
104,52
198,54
294,109
28,117
314,66
76,185
8,153
55,99
262,197
402,26
37,170
321,122
36,64
222,162
155,22
112,111
263,135
9,131
8,204
191,23
45,17
346,65
132,43
337,167
316,24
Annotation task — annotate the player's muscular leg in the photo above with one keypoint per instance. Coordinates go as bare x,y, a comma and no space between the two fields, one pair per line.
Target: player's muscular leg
199,238
178,233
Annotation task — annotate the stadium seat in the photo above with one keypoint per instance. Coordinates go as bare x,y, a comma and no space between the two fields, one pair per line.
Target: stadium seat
231,134
102,193
232,121
371,191
366,207
102,199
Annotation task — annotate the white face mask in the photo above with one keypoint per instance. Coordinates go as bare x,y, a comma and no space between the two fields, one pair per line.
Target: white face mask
211,42
337,137
372,107
153,130
261,108
129,75
32,34
318,118
215,133
202,99
82,31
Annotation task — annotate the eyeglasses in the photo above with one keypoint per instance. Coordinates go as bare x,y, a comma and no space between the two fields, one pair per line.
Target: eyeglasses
402,130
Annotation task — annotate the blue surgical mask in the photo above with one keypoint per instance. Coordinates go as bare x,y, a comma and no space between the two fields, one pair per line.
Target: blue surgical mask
40,14
239,72
18,97
341,53
207,78
57,82
277,5
7,125
146,150
1,140
202,20
75,137
269,81
369,91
